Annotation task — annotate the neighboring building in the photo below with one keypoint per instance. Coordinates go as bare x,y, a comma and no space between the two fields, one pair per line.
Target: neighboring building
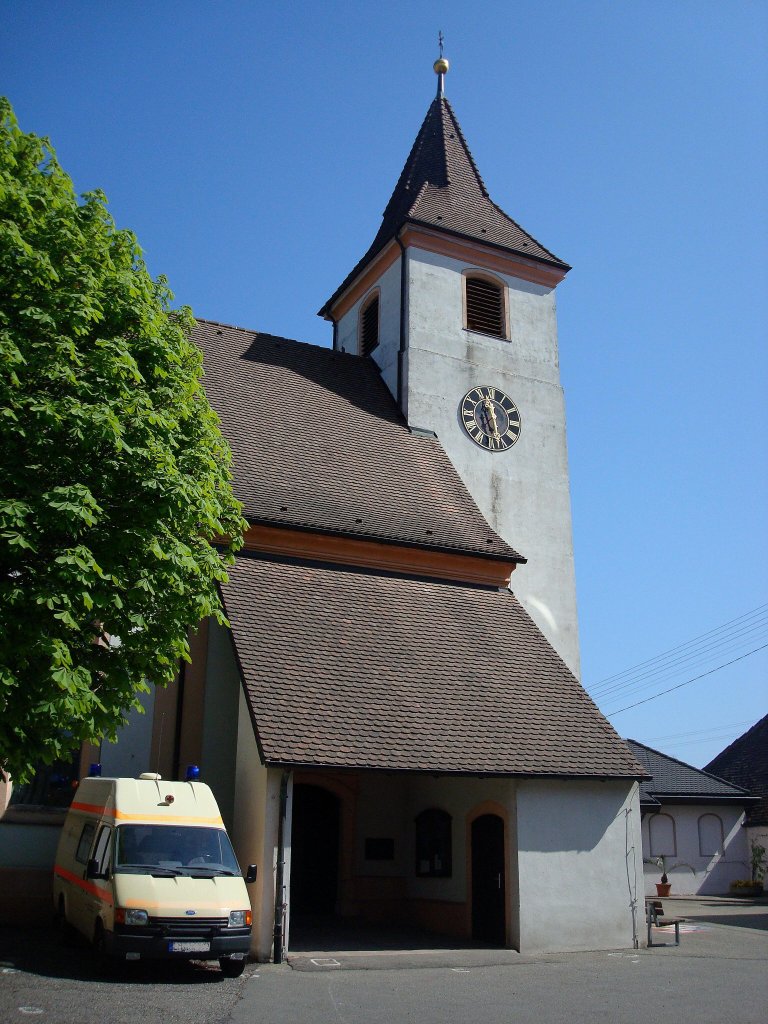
745,764
695,821
393,734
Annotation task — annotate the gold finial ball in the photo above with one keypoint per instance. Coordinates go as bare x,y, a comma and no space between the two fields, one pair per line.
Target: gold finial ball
441,66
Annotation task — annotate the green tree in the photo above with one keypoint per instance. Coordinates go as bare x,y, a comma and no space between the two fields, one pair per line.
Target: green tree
114,477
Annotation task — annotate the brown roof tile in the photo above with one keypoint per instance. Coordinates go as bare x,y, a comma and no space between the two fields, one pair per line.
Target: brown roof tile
350,668
319,444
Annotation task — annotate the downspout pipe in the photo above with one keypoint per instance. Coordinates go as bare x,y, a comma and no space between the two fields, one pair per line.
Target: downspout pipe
280,904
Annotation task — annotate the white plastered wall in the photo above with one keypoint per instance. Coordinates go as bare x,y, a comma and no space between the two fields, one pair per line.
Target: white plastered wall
385,355
688,870
524,492
580,865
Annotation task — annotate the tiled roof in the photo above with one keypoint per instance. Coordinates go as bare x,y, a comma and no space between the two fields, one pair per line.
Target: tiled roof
745,763
673,779
350,668
441,187
319,444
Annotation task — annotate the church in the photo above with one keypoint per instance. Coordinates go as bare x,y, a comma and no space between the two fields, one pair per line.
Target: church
393,723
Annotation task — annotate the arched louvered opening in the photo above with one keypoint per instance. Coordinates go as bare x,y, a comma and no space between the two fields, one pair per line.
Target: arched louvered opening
369,326
485,306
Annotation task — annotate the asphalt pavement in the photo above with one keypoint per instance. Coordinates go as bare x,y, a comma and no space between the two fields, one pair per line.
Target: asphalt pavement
718,973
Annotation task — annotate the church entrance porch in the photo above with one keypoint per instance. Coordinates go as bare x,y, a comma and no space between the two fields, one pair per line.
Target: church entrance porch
400,860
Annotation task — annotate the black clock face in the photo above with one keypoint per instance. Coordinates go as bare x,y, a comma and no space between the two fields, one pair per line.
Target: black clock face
490,418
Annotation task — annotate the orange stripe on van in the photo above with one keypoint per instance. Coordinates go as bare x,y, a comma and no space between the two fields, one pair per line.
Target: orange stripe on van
94,890
103,812
188,819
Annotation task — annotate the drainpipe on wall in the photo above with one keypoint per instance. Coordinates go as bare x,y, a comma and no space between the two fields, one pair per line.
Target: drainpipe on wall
280,904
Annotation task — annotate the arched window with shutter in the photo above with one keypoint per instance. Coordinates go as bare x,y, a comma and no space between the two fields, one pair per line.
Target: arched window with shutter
369,325
433,844
484,305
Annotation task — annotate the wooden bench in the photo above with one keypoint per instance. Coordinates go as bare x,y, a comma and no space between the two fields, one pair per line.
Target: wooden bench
654,910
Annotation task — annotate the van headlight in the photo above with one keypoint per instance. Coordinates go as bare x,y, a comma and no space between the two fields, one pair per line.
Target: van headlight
126,915
239,918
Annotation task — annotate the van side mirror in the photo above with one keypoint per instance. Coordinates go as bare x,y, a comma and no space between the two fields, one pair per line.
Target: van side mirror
251,872
92,871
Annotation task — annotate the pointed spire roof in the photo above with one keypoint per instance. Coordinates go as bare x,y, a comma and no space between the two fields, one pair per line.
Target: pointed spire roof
440,187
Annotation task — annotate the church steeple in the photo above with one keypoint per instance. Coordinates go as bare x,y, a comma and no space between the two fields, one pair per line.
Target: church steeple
455,304
441,188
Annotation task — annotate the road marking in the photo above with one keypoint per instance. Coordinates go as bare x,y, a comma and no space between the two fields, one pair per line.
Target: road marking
10,970
327,961
31,1009
460,970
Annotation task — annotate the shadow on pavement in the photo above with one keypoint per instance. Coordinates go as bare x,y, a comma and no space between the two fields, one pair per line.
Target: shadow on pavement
734,913
45,952
332,934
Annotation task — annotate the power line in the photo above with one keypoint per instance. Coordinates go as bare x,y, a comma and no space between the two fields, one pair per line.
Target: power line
703,734
694,659
679,685
633,670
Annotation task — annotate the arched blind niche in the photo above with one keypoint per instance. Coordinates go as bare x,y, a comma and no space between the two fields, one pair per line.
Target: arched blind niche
484,301
661,830
710,835
369,325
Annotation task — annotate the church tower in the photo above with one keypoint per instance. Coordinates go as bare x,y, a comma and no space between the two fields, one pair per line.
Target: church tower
455,303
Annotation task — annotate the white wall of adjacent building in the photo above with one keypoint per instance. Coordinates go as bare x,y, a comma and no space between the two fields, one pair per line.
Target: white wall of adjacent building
705,848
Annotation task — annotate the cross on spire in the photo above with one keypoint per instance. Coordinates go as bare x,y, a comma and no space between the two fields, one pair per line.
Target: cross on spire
440,66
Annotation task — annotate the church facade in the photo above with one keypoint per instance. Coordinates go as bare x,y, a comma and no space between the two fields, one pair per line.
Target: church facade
393,724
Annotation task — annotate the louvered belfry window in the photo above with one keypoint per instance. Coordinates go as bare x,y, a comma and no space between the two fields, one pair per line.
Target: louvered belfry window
485,307
369,327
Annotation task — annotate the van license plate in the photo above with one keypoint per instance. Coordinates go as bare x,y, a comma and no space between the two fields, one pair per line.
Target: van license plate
189,947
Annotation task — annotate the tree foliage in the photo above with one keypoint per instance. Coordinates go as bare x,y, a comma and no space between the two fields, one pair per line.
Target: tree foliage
114,477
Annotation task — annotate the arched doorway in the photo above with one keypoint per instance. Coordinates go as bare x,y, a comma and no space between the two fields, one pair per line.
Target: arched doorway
314,851
488,880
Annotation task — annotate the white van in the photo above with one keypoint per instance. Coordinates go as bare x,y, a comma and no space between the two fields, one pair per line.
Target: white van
145,868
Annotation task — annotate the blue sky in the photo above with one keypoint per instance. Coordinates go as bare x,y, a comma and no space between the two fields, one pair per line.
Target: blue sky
252,148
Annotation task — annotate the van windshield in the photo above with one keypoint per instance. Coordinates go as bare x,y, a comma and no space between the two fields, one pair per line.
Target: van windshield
172,850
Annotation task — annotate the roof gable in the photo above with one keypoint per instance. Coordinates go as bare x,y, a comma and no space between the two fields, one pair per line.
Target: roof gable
440,187
394,672
745,763
676,780
320,444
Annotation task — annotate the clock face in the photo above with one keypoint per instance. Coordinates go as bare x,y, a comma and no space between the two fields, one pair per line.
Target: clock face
490,418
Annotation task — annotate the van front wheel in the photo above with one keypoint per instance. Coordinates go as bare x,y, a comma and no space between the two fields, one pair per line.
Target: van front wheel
231,968
103,962
60,919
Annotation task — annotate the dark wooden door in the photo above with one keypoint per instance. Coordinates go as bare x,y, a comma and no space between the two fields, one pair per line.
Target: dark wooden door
488,880
314,850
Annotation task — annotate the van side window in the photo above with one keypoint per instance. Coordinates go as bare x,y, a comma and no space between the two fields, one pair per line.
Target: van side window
86,838
101,851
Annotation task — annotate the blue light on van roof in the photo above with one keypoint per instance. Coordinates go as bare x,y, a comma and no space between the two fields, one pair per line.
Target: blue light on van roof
193,773
95,770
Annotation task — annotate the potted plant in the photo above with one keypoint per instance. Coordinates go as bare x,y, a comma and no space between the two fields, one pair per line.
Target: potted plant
752,886
664,886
